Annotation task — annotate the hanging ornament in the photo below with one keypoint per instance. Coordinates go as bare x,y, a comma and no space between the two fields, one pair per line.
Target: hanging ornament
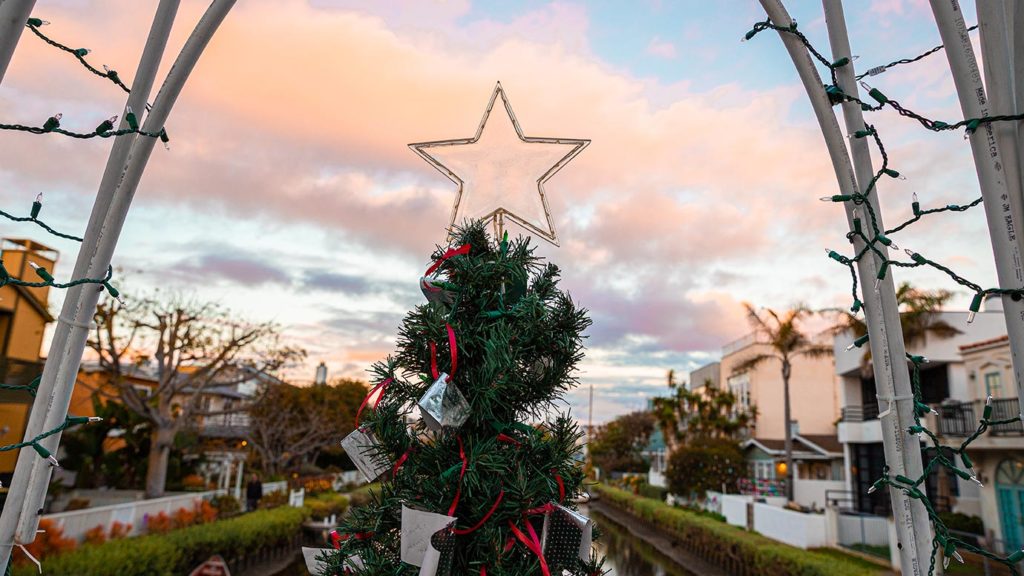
436,291
567,535
363,449
316,561
428,541
443,406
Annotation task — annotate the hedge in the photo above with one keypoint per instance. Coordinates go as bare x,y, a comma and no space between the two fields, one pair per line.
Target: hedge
179,551
732,548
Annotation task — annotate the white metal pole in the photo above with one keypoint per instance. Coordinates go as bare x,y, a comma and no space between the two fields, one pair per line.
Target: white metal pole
54,385
893,380
995,21
1003,226
881,312
13,16
98,258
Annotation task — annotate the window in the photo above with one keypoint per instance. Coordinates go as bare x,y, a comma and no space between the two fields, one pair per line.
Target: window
739,385
993,384
764,469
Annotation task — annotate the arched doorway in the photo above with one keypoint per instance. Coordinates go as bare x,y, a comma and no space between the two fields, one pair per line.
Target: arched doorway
1010,492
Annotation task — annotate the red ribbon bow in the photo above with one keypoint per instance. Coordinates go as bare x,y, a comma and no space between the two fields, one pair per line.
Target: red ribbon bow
383,386
453,350
464,249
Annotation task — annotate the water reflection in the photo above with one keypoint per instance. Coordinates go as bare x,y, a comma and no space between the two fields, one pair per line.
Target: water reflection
626,555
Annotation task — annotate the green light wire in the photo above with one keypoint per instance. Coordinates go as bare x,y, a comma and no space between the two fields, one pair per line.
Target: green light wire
872,237
33,24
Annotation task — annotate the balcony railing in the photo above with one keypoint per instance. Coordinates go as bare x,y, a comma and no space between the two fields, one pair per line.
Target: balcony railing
235,425
860,413
961,418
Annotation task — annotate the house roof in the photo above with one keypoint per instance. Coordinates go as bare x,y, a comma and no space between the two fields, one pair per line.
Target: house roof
813,446
985,343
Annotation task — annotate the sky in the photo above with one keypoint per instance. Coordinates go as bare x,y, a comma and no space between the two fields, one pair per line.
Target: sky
289,193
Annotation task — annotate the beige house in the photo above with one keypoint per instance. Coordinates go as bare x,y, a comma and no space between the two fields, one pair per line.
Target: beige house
814,406
998,456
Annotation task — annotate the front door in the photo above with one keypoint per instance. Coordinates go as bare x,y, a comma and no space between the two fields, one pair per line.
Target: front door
1010,492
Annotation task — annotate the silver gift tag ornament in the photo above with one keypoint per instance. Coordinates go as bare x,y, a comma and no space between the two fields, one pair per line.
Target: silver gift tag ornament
567,535
443,406
434,292
362,448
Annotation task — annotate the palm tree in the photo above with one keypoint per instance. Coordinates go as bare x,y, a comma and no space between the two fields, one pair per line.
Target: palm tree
786,341
919,316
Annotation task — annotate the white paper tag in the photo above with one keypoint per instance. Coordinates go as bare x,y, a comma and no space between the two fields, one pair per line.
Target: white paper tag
418,527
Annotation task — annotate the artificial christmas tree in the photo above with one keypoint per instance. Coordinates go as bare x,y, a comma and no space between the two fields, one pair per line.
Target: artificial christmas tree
485,488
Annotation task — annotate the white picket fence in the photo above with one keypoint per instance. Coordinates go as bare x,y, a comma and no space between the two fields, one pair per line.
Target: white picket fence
77,522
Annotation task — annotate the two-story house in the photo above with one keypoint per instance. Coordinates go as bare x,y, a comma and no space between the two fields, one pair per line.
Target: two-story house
24,315
946,381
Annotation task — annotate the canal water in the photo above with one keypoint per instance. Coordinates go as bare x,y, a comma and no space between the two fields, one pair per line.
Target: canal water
625,555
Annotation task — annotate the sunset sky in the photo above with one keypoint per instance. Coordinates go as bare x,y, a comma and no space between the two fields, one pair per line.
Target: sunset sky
289,192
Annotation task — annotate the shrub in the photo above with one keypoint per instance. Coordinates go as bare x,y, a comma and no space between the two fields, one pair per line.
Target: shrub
317,485
49,542
183,518
323,506
77,504
159,524
962,522
96,535
226,505
708,538
653,492
119,530
194,483
695,468
206,512
179,551
274,499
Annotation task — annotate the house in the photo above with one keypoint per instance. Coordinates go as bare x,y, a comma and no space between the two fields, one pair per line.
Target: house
998,455
946,384
814,409
24,314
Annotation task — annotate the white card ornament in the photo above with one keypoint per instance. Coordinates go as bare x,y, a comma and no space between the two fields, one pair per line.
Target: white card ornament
318,567
427,541
362,448
443,406
567,535
433,289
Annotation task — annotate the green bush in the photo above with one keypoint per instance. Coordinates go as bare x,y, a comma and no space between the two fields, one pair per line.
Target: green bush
708,465
962,522
180,551
771,558
226,505
361,496
653,492
325,504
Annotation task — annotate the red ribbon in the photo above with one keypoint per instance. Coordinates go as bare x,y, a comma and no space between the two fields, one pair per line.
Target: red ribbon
453,350
464,249
401,460
474,527
561,486
508,439
383,386
532,544
337,539
509,544
540,510
483,571
462,472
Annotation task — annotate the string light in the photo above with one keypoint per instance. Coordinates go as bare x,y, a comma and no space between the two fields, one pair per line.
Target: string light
104,130
33,24
875,236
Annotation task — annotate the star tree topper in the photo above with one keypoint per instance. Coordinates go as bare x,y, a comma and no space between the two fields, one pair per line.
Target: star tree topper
500,172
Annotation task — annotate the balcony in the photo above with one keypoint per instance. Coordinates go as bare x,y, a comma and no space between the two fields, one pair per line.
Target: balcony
961,419
859,424
860,413
235,425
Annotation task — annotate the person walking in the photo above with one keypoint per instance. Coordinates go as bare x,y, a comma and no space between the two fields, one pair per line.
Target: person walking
253,493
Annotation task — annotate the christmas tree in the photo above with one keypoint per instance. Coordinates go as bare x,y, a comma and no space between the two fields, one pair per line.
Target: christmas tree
459,426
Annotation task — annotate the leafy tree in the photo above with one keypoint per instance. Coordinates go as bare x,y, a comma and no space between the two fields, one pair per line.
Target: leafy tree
705,413
919,317
705,465
191,346
617,445
786,341
292,424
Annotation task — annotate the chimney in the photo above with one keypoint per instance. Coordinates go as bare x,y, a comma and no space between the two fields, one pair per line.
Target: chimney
321,374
